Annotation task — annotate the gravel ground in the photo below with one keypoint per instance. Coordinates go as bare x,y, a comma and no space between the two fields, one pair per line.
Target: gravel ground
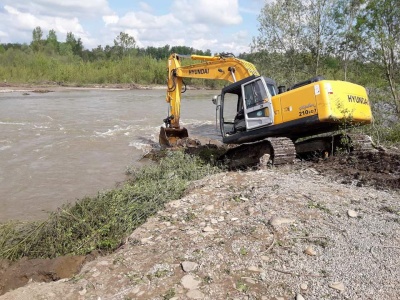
282,233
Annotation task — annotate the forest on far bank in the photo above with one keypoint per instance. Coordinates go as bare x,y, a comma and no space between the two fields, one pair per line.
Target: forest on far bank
352,40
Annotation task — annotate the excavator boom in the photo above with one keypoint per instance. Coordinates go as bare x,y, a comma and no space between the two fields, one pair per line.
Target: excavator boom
222,67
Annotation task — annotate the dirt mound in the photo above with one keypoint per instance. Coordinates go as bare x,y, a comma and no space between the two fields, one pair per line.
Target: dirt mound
378,169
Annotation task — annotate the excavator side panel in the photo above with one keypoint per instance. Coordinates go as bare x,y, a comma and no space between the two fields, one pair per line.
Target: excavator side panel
298,103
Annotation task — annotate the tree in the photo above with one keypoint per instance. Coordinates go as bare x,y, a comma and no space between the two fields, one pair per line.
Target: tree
280,40
51,42
318,22
345,39
75,44
379,25
124,42
37,42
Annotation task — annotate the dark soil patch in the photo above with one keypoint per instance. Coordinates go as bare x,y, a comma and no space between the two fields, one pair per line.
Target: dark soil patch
378,169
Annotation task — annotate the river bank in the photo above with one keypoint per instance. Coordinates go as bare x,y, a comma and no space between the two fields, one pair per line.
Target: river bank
54,86
313,230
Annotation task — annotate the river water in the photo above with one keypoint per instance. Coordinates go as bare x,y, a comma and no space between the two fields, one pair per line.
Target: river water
61,146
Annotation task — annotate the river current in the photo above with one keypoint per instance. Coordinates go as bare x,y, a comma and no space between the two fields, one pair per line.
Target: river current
64,145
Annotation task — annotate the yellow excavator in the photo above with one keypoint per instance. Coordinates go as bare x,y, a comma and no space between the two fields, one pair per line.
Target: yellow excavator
268,122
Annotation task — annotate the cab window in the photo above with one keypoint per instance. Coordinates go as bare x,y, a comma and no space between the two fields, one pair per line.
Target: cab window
254,93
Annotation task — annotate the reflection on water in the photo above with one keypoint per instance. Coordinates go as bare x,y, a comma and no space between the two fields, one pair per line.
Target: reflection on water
64,145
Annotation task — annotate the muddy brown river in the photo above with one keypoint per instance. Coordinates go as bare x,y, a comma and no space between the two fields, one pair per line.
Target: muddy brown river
61,146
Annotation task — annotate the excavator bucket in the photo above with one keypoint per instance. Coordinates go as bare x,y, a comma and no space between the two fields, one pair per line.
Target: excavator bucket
169,136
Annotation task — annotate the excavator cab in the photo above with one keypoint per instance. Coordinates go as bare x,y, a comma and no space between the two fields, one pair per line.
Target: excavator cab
246,105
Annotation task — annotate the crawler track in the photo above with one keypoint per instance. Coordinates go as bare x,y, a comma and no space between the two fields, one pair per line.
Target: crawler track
284,151
361,143
276,151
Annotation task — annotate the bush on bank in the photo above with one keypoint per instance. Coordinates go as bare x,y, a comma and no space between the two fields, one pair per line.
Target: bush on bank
104,221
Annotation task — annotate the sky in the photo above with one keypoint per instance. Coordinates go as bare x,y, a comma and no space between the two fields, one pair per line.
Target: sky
218,25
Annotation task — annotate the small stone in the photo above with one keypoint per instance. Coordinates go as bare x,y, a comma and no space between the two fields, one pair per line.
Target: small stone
310,251
221,219
146,240
103,263
264,159
96,274
195,294
249,280
304,286
263,276
276,221
189,266
220,256
175,203
251,210
208,229
337,286
82,292
190,282
234,219
209,207
254,269
299,297
244,199
214,221
352,213
265,258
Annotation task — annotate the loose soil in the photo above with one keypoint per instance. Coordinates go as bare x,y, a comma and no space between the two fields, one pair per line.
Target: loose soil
324,229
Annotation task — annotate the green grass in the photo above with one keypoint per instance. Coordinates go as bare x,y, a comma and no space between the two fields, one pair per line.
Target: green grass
104,221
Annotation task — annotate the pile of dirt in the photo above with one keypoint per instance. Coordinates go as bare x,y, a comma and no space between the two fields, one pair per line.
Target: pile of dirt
323,229
379,169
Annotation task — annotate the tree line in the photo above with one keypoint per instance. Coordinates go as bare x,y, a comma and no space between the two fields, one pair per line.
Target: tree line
68,62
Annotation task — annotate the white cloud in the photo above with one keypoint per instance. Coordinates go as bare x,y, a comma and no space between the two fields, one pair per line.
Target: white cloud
144,20
200,27
3,34
205,44
28,21
205,24
112,19
210,12
23,21
65,8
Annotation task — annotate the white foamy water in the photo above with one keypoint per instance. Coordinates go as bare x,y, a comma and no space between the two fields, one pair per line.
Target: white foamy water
61,146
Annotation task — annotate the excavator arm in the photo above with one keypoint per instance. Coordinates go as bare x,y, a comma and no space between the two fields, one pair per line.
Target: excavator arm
221,67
